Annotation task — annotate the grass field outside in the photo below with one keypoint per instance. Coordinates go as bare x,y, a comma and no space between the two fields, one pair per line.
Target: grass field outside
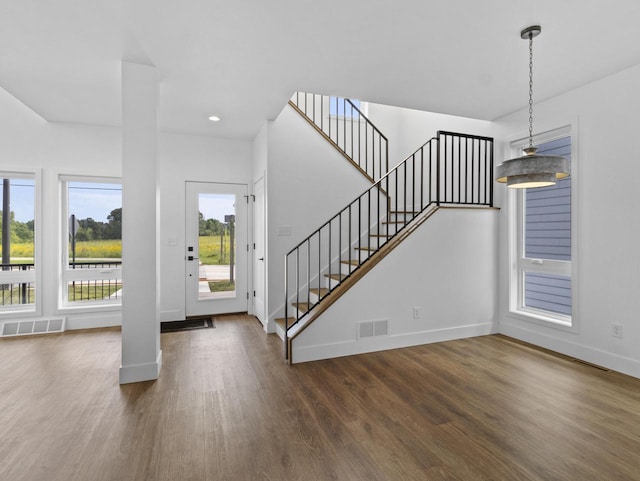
210,251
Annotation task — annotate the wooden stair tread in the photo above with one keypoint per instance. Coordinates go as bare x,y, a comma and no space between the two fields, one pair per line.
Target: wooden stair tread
281,323
370,249
353,262
301,306
323,291
336,277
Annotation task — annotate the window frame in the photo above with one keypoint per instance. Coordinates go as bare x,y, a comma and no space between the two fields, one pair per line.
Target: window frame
520,265
65,274
35,309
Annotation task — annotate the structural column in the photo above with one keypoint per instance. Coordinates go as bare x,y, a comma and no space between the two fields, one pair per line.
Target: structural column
141,354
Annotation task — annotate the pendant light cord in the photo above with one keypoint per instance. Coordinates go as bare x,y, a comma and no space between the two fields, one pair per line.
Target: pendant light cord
530,89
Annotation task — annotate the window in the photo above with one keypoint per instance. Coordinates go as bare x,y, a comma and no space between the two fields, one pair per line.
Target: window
340,107
542,272
92,240
17,227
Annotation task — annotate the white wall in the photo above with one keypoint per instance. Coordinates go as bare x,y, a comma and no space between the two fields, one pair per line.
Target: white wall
607,166
408,129
22,133
447,267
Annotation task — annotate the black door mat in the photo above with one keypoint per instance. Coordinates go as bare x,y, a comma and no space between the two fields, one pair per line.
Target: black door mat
187,325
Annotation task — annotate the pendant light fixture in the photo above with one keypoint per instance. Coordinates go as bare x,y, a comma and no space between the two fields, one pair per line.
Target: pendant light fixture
532,170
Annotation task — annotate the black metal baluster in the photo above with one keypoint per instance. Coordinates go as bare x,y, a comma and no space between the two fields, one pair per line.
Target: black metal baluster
351,120
308,275
472,167
330,260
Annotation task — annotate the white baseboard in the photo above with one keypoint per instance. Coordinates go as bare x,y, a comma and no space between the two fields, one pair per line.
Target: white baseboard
382,343
141,372
92,321
622,364
172,315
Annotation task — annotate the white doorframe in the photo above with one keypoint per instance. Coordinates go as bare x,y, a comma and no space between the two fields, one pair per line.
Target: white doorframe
202,268
259,252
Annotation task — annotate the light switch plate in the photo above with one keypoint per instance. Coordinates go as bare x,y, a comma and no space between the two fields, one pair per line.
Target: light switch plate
284,230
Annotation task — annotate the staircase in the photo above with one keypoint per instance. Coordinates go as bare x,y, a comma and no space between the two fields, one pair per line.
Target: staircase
345,127
451,169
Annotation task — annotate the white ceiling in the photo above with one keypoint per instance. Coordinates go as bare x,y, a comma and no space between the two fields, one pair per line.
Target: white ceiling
242,59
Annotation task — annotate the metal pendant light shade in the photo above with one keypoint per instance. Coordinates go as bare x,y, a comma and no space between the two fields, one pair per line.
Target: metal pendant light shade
531,169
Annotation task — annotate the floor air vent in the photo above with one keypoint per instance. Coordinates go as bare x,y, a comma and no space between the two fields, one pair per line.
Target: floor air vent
580,361
24,328
373,328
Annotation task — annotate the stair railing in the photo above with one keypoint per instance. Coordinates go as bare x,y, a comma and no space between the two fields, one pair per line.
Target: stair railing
344,125
451,169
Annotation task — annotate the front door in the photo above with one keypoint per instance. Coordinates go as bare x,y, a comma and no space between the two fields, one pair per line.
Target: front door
216,248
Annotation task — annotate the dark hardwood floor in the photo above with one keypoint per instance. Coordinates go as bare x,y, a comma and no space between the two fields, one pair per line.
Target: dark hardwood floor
226,407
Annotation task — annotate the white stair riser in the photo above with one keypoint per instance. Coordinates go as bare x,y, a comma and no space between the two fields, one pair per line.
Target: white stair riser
361,254
377,241
390,228
296,313
313,298
405,217
346,268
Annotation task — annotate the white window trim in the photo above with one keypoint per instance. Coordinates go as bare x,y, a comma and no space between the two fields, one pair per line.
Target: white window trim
35,309
64,274
518,263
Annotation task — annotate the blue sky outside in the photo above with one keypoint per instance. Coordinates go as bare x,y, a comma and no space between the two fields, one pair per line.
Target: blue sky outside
90,199
216,206
97,200
22,198
86,199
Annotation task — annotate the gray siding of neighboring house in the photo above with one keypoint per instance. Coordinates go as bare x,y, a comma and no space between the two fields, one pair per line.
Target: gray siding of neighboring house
548,292
548,236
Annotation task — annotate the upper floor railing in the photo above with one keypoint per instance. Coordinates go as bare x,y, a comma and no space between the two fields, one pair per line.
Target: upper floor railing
343,124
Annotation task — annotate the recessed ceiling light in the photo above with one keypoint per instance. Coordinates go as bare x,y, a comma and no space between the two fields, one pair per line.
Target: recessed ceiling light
214,118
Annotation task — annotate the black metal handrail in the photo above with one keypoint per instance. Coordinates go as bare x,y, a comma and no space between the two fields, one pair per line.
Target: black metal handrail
343,124
450,169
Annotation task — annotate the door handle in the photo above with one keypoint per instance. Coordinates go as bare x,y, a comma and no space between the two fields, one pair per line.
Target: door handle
191,258
260,258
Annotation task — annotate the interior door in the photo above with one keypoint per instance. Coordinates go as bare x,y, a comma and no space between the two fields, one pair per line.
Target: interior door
259,258
216,248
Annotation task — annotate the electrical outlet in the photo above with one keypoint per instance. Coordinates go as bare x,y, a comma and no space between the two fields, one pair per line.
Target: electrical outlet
417,312
616,330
